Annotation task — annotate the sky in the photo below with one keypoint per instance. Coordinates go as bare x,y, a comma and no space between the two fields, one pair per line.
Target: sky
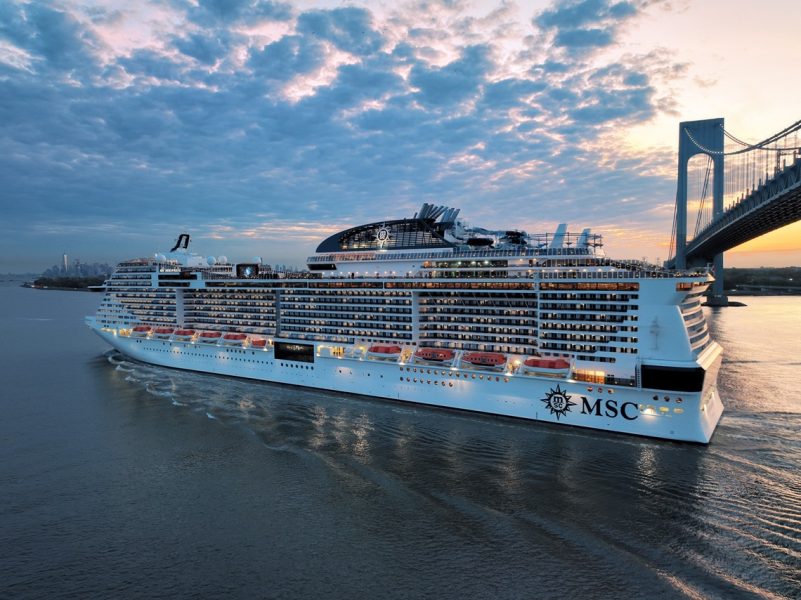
262,127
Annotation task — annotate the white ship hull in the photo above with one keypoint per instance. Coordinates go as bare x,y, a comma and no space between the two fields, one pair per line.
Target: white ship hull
681,416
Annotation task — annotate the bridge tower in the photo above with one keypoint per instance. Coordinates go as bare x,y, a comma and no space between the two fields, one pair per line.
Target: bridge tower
700,137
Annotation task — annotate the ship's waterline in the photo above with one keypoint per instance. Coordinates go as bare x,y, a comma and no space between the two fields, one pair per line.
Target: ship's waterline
428,310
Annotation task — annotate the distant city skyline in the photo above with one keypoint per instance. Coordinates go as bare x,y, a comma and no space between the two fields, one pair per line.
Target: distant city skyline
262,127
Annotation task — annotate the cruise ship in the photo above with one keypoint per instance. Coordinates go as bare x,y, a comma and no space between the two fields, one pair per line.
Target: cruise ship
432,311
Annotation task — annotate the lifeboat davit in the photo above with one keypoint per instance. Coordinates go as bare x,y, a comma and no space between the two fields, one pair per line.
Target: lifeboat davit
141,331
163,332
485,359
183,335
384,352
441,355
545,366
209,337
258,344
234,339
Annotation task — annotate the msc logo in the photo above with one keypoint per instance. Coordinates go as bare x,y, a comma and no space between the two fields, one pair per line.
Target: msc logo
558,402
609,408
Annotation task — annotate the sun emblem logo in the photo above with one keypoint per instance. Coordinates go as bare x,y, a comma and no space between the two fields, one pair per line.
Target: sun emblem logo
558,401
382,236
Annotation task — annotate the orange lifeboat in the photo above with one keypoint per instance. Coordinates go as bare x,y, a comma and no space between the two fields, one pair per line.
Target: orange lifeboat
385,349
389,352
234,339
485,359
142,330
258,344
547,363
553,367
209,337
163,332
434,354
183,334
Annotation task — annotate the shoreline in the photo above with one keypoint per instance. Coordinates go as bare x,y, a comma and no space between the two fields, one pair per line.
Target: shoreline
32,286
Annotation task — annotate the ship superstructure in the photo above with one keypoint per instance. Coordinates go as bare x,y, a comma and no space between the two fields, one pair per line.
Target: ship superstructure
429,310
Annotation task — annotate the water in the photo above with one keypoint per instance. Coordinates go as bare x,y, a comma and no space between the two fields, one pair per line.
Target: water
118,479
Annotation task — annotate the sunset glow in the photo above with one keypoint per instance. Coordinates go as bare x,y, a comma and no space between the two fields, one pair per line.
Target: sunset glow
125,125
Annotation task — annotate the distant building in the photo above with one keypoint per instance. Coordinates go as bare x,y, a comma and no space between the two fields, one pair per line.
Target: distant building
77,269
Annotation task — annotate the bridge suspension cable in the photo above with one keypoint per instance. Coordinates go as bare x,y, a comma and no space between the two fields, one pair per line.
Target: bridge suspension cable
763,145
704,193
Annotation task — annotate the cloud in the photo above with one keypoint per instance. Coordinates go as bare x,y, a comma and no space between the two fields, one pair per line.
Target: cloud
208,13
349,29
582,25
53,36
454,82
572,15
579,38
236,110
206,49
287,57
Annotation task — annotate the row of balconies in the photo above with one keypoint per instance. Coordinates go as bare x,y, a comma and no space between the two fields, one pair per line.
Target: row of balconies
335,310
346,316
528,333
529,322
229,310
588,296
349,323
428,339
284,329
585,337
587,307
579,317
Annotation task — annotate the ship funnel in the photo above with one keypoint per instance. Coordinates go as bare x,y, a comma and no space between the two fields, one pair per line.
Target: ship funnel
584,238
559,236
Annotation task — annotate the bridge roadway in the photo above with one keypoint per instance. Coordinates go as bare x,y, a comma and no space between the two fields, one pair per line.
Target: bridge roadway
772,205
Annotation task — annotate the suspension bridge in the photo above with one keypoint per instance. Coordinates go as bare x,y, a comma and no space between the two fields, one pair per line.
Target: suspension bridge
755,188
